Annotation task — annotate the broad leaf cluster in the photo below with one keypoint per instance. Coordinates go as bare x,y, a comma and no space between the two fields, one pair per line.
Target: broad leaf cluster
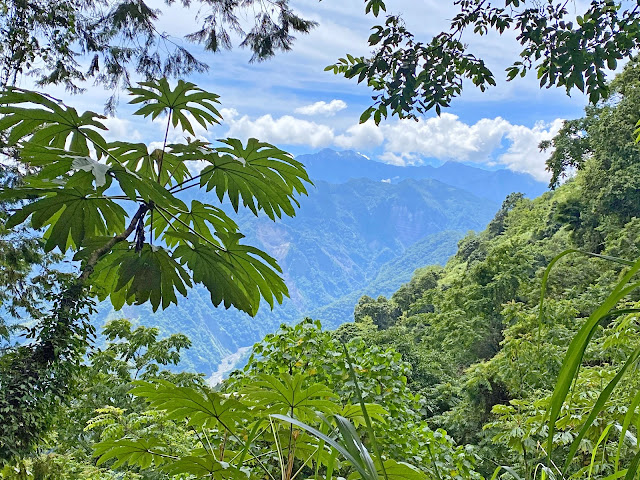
91,196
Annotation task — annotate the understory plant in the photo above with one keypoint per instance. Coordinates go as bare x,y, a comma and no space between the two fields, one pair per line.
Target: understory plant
284,425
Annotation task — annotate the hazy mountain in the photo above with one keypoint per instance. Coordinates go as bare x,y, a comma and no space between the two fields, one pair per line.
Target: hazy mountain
347,239
339,167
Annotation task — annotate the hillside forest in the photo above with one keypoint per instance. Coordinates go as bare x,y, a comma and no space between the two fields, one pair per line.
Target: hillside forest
517,358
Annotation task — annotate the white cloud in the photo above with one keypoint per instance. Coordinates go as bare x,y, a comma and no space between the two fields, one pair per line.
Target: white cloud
448,138
286,130
490,141
400,159
360,136
322,108
523,155
120,129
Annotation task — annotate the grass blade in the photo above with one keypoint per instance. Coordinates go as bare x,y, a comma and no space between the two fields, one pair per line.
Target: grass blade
598,406
625,426
330,441
367,419
509,470
575,353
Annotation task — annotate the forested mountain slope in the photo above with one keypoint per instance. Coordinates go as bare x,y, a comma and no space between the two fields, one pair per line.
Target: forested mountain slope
483,359
339,242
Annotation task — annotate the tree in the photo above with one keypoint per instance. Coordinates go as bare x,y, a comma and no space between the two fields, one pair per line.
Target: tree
91,196
288,376
53,40
410,77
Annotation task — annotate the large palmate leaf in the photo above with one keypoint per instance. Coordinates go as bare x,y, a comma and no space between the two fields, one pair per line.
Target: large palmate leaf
141,452
289,393
199,407
263,176
139,188
137,276
235,274
49,123
80,188
71,216
158,98
204,466
202,219
137,158
354,413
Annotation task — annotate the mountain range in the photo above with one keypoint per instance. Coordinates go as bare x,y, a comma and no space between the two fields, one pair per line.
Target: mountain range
339,167
363,229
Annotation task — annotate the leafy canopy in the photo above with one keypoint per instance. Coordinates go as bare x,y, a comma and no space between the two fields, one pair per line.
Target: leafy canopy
90,196
54,40
409,76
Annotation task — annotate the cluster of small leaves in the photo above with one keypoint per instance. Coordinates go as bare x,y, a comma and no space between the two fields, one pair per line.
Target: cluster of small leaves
410,77
35,378
49,39
84,186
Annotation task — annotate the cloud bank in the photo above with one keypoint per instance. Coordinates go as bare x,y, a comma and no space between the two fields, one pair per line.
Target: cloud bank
489,142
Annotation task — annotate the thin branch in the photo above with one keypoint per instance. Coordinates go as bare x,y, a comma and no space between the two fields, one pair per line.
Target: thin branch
97,254
164,144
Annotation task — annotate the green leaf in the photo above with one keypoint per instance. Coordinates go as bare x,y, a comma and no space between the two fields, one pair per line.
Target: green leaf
137,187
136,157
265,177
148,275
200,407
158,97
287,393
71,216
236,274
200,219
49,123
141,452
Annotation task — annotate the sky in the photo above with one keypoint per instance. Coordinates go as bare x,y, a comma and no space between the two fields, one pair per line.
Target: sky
292,102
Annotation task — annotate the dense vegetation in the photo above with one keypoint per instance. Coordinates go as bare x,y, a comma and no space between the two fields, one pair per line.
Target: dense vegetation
516,359
462,349
483,358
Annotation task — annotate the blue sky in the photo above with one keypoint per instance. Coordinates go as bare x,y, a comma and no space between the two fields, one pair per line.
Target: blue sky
292,102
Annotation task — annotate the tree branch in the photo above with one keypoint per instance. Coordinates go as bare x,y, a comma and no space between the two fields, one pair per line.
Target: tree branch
97,254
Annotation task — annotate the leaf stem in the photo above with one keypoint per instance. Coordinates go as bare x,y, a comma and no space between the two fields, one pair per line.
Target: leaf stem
97,254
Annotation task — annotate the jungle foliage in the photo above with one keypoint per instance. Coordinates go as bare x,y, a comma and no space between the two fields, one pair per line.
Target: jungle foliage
522,348
533,384
468,351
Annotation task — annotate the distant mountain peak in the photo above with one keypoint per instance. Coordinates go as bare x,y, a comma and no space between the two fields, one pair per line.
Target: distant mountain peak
341,166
